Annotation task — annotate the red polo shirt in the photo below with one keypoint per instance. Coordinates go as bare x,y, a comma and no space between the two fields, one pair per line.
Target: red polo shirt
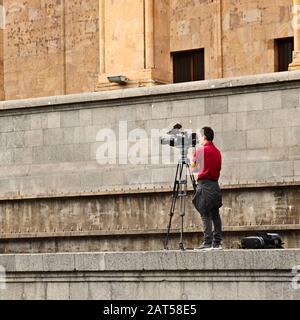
208,158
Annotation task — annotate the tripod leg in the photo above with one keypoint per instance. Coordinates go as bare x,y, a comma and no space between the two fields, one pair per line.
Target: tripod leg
174,198
194,183
182,195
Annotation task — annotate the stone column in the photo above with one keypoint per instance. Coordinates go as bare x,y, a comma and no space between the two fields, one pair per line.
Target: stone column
296,27
134,42
101,36
149,34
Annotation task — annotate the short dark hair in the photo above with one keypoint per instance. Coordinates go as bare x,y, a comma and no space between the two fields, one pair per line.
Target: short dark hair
208,133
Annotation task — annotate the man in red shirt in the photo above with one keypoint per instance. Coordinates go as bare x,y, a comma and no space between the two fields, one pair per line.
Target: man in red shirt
208,198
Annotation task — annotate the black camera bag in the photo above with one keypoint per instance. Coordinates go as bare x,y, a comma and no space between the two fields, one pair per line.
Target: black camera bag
262,241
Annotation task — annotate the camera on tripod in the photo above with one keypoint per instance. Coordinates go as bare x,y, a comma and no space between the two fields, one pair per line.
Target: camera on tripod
179,139
182,140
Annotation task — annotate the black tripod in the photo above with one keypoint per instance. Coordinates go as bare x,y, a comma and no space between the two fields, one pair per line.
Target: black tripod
180,191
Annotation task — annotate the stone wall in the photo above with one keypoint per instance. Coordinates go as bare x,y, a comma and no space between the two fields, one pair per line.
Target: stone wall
1,51
51,47
244,31
231,274
49,145
51,184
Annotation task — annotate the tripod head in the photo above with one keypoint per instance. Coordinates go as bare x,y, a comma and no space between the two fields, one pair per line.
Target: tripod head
180,139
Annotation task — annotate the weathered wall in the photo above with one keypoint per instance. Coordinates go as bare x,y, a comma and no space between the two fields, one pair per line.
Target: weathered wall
130,222
54,47
231,274
49,145
50,47
1,51
238,36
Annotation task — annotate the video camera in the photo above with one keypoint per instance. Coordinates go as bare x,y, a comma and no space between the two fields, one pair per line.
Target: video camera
179,139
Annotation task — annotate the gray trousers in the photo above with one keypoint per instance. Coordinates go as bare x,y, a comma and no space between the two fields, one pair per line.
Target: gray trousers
209,219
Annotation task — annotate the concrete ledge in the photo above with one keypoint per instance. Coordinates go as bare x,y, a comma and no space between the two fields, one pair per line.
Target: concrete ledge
228,274
252,80
143,231
152,188
252,260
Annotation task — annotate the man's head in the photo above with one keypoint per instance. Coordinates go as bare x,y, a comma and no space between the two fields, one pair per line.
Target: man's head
207,134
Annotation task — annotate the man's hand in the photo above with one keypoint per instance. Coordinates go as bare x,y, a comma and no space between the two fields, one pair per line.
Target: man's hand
193,165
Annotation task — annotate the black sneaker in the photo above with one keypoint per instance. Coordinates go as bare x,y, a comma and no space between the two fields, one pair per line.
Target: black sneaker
217,246
204,247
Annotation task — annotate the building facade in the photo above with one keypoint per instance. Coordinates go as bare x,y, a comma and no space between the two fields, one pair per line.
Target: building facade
59,47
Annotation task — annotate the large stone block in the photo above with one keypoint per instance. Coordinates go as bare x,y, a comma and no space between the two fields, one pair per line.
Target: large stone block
35,291
180,108
22,156
91,180
245,102
232,140
113,177
229,122
104,116
260,138
79,290
54,120
21,122
87,261
85,117
272,100
216,122
58,262
166,109
13,291
254,120
57,290
70,119
99,290
255,171
286,117
8,262
123,261
297,168
215,105
38,121
6,124
7,157
138,176
33,138
196,107
53,136
290,98
29,263
15,139
143,111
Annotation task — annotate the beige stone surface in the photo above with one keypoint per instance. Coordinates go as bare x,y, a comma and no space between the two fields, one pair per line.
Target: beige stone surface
296,27
135,42
238,35
1,52
51,47
60,47
156,275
